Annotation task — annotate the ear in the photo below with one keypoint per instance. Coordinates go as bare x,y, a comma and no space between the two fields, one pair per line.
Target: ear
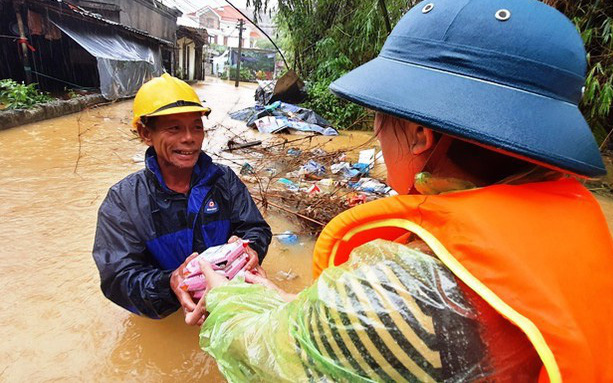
422,140
145,134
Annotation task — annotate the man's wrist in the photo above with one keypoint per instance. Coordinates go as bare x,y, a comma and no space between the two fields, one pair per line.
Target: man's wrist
164,280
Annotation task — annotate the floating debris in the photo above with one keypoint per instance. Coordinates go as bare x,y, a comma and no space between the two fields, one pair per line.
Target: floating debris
285,275
287,238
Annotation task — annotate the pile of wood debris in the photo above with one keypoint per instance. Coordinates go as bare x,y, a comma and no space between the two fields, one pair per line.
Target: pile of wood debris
277,177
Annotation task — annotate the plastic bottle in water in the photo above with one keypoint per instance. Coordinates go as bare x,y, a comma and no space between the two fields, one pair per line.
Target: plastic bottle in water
287,238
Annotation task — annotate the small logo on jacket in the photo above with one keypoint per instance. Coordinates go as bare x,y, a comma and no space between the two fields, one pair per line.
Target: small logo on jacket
211,207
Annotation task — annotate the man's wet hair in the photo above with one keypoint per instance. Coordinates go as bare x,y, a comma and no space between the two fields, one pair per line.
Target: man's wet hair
148,122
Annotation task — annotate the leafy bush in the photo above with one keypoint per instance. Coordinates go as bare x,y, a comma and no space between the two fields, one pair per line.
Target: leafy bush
339,112
20,96
246,75
217,48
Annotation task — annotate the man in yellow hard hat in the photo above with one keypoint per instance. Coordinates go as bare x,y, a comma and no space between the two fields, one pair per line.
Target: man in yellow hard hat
181,203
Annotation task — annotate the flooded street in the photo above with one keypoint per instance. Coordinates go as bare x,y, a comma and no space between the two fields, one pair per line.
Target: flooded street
56,324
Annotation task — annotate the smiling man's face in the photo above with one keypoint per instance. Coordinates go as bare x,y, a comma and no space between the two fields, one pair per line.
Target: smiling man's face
177,140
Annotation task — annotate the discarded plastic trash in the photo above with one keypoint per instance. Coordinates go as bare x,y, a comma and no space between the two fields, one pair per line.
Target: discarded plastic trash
314,189
278,124
246,169
367,157
313,167
335,168
287,238
326,185
289,116
357,200
272,106
294,174
271,172
344,169
285,275
362,168
319,152
264,92
292,186
294,152
370,185
379,158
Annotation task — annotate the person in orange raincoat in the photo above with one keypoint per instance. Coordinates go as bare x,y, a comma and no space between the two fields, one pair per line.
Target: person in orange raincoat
492,264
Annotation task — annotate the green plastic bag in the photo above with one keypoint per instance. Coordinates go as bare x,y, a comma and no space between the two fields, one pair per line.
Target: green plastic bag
390,314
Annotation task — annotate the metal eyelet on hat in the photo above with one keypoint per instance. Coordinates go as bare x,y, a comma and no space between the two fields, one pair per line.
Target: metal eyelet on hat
427,8
503,14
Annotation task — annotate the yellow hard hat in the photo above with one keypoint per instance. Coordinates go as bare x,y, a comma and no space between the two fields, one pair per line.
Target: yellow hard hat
166,95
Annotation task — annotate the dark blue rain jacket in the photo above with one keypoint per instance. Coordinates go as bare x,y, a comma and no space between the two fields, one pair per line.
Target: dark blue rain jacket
145,231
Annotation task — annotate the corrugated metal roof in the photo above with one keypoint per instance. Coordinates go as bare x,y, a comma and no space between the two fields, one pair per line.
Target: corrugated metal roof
94,16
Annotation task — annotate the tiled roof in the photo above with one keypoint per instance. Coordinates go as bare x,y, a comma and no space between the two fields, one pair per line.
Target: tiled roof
228,13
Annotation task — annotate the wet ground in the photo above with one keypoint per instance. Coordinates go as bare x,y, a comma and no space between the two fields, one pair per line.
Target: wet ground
56,326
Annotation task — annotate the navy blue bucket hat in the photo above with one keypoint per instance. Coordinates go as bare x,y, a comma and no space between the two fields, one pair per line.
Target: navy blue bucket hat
507,74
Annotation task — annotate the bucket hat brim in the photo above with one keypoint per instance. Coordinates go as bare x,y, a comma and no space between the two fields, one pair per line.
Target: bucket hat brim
500,117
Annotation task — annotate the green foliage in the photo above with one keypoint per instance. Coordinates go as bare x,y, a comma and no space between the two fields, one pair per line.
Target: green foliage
217,48
264,44
20,96
71,93
334,109
594,20
246,74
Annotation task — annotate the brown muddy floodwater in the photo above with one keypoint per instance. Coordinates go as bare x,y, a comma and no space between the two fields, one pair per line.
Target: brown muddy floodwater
56,326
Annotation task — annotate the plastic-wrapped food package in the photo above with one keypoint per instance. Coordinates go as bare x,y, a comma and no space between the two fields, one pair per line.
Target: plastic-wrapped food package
390,314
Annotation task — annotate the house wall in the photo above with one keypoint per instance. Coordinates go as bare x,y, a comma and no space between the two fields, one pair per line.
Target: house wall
187,55
219,64
223,31
153,17
209,19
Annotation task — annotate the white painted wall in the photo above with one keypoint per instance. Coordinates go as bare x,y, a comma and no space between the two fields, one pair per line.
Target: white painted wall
184,43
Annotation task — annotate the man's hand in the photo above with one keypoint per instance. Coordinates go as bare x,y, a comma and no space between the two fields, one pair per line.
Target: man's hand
254,262
213,279
196,317
186,300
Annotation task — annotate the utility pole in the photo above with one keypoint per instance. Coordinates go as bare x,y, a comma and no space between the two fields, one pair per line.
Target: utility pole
241,22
